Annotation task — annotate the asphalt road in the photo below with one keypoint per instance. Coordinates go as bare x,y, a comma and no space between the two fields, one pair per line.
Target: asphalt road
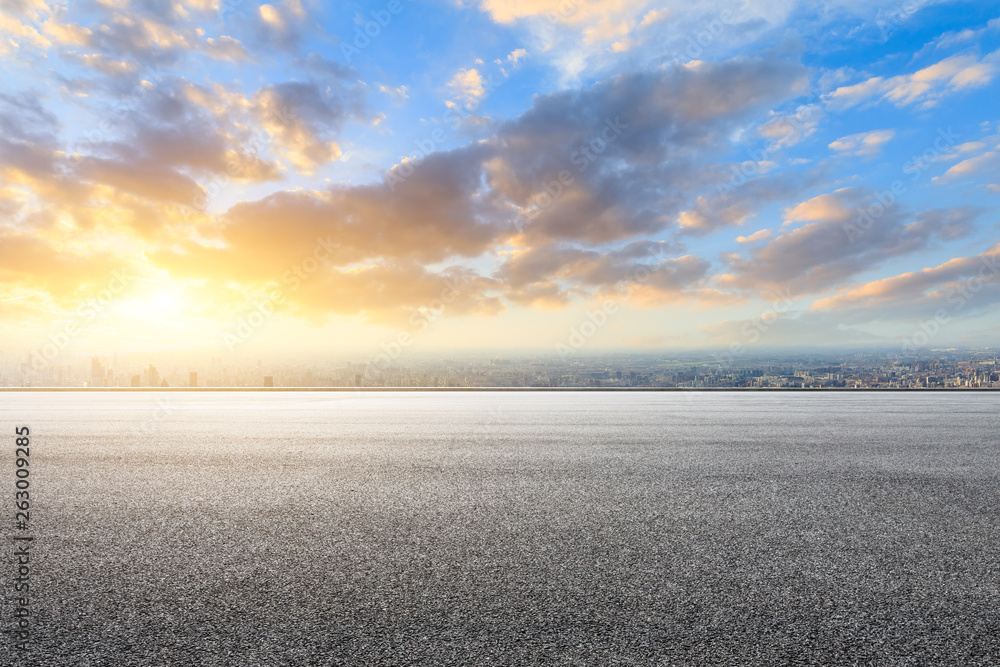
510,529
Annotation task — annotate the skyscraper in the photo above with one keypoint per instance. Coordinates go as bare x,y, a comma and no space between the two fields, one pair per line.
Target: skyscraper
96,373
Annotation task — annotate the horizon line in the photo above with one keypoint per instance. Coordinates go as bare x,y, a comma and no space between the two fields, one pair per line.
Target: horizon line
489,389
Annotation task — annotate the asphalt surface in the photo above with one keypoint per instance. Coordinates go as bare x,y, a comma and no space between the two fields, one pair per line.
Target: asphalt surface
510,529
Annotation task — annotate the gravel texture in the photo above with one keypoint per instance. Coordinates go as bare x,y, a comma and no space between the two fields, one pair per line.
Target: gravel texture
511,529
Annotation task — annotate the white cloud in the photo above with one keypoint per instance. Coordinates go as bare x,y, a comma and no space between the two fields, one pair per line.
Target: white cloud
985,162
925,86
863,143
397,94
756,236
654,16
789,129
226,48
468,86
516,55
271,16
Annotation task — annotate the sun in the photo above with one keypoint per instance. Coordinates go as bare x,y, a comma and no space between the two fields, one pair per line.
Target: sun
162,302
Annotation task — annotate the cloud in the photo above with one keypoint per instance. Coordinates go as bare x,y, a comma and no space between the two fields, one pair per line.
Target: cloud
513,59
136,175
105,65
149,180
509,11
468,87
654,16
962,285
617,22
737,198
629,148
629,34
838,241
405,295
140,39
761,235
586,267
18,20
460,203
389,289
398,95
66,34
271,16
226,48
988,162
188,127
926,86
964,36
786,130
515,56
280,25
967,147
863,143
33,263
550,276
429,218
303,121
24,118
545,295
325,68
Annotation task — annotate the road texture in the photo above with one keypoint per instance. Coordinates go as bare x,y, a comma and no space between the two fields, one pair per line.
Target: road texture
510,529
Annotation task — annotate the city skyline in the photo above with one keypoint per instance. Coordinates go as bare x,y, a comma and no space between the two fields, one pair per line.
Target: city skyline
719,369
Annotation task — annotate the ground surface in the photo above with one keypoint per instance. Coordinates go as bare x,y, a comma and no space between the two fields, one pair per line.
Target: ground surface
510,529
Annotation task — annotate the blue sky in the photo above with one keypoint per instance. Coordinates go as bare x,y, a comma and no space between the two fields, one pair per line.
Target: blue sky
492,173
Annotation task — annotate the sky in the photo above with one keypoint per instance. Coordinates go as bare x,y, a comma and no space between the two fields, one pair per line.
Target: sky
437,175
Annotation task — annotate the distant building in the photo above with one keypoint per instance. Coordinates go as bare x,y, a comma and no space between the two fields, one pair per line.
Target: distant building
96,373
135,380
193,379
268,380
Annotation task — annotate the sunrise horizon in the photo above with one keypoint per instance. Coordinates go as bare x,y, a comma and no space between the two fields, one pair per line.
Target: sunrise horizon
222,176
